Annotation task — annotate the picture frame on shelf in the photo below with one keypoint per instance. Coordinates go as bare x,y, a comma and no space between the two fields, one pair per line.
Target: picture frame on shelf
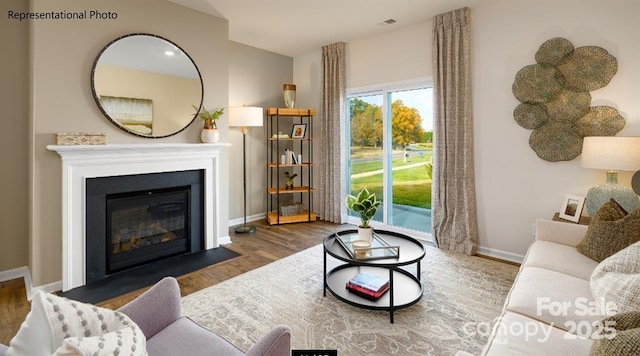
572,207
298,130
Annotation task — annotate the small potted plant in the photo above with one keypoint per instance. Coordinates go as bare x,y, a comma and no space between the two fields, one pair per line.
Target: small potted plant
209,132
364,204
289,180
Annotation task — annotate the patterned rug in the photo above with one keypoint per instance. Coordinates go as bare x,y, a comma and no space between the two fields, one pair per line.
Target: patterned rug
462,297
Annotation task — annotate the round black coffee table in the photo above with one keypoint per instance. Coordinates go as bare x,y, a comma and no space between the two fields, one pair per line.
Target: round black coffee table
405,288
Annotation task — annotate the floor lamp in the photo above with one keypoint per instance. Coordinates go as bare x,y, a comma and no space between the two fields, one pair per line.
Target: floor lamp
245,116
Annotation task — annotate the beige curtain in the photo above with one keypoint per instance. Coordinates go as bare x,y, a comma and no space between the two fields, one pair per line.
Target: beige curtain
332,188
455,221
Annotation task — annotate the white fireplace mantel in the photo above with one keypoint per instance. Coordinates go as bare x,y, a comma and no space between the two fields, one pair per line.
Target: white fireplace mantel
82,162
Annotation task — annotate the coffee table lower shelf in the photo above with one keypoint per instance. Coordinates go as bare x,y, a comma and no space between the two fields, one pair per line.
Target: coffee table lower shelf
405,289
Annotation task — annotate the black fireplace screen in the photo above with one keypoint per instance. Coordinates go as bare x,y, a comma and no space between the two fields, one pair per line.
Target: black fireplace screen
146,226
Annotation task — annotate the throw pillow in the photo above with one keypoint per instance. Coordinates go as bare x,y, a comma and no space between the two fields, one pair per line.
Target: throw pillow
617,280
122,342
620,336
53,319
34,336
611,229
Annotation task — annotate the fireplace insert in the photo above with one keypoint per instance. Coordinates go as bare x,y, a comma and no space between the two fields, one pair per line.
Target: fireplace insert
146,226
139,219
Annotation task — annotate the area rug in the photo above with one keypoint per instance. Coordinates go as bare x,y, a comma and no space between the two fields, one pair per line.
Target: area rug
462,297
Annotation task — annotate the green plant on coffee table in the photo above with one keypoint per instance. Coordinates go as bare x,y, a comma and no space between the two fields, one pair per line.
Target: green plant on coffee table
364,204
209,117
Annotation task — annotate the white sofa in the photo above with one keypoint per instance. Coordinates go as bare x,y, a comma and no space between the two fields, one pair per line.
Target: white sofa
550,309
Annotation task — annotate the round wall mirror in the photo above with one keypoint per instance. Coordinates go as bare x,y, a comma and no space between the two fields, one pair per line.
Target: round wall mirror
146,85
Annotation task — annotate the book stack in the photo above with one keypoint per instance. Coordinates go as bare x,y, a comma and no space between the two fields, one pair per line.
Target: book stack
290,158
368,286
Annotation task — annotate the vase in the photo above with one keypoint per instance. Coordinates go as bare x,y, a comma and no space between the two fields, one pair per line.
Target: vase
365,233
289,92
288,184
210,136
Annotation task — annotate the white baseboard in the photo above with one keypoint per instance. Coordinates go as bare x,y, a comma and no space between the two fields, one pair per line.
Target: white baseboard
48,288
23,272
20,272
428,237
499,254
10,274
490,252
240,221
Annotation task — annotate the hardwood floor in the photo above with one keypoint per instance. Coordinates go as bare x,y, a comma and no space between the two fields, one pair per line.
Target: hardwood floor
267,244
13,308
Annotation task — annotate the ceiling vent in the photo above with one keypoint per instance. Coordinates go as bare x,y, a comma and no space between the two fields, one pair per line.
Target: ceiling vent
387,22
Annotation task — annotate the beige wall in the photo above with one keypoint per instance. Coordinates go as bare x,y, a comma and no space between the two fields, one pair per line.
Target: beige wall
508,174
307,74
370,61
14,138
394,56
172,96
514,186
63,52
255,79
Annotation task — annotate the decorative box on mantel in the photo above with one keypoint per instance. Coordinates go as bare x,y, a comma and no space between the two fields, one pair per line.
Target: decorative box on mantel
80,138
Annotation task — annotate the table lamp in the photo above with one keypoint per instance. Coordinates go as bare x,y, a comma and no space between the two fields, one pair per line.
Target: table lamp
245,116
613,154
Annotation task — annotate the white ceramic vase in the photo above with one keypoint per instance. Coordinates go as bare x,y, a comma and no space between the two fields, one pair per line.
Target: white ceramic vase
210,136
365,233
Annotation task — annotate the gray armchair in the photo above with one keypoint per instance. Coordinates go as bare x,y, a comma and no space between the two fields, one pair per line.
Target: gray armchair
158,313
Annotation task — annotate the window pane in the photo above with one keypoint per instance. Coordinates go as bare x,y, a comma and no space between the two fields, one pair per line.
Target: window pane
391,142
412,149
366,146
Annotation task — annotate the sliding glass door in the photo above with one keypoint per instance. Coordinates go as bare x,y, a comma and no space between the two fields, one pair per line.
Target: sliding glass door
391,148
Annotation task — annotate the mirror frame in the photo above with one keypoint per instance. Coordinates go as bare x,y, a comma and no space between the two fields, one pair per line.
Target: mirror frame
113,121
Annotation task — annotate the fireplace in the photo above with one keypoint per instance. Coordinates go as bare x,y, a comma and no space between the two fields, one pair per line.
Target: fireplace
134,220
82,163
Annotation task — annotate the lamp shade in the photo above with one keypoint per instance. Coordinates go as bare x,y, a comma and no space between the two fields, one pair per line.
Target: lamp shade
245,116
612,153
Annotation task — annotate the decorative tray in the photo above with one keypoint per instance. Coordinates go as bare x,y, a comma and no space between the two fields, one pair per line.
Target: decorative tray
379,248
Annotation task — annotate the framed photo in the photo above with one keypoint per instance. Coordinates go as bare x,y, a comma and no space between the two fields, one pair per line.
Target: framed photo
572,207
298,130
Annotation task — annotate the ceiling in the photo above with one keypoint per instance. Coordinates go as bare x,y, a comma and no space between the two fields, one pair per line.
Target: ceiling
297,27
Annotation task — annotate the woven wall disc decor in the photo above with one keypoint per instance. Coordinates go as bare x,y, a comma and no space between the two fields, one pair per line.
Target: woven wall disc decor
635,182
555,98
537,84
530,116
588,68
556,141
600,121
554,51
569,106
